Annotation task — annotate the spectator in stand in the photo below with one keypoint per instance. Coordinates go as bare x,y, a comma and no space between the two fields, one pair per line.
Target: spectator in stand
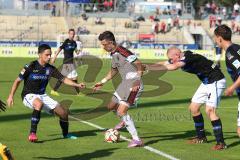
189,22
168,10
179,10
236,8
176,22
233,24
163,27
208,8
99,20
212,21
224,12
54,10
156,19
110,5
219,21
213,7
105,4
169,24
156,28
151,18
84,17
157,11
95,9
165,11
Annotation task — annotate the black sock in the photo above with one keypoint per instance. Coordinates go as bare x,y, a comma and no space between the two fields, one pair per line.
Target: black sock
64,125
58,84
217,130
77,88
35,120
199,126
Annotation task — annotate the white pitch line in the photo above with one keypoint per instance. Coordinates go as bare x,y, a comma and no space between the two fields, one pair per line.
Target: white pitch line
126,139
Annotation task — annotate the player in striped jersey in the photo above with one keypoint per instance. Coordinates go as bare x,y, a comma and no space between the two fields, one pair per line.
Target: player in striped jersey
130,68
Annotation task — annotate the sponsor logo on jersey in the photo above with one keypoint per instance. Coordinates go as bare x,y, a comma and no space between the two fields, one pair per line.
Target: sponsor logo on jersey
236,64
38,77
35,71
229,56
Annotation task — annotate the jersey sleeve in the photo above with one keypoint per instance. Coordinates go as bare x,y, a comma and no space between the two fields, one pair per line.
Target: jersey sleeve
63,45
24,72
235,63
130,57
56,74
187,58
75,44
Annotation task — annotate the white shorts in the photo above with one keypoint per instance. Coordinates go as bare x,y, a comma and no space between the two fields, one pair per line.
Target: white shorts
210,94
69,71
48,103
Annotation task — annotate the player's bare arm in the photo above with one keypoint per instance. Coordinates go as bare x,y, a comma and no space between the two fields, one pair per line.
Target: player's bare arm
109,76
14,88
77,51
174,66
229,91
164,66
72,83
55,55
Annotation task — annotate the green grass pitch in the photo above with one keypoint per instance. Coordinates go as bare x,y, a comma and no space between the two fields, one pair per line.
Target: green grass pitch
163,122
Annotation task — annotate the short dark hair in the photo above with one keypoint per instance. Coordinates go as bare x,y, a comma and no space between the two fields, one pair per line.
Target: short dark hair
71,29
223,31
107,35
43,47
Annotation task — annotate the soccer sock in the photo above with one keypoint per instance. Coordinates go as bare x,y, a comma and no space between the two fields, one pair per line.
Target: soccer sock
64,125
35,120
58,84
130,126
199,126
77,88
238,118
217,129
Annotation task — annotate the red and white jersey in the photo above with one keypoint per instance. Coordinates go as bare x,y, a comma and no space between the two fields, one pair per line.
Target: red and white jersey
123,59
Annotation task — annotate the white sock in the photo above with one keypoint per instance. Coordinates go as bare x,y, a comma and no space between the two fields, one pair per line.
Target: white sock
130,126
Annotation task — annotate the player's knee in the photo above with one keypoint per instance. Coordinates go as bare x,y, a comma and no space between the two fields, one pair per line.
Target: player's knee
210,112
194,110
38,105
121,111
61,112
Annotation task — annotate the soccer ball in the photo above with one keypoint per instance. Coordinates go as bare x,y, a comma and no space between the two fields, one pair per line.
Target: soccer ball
112,136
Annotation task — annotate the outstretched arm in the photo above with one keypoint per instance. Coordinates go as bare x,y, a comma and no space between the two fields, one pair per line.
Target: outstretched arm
229,91
12,92
55,55
72,83
108,77
165,66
